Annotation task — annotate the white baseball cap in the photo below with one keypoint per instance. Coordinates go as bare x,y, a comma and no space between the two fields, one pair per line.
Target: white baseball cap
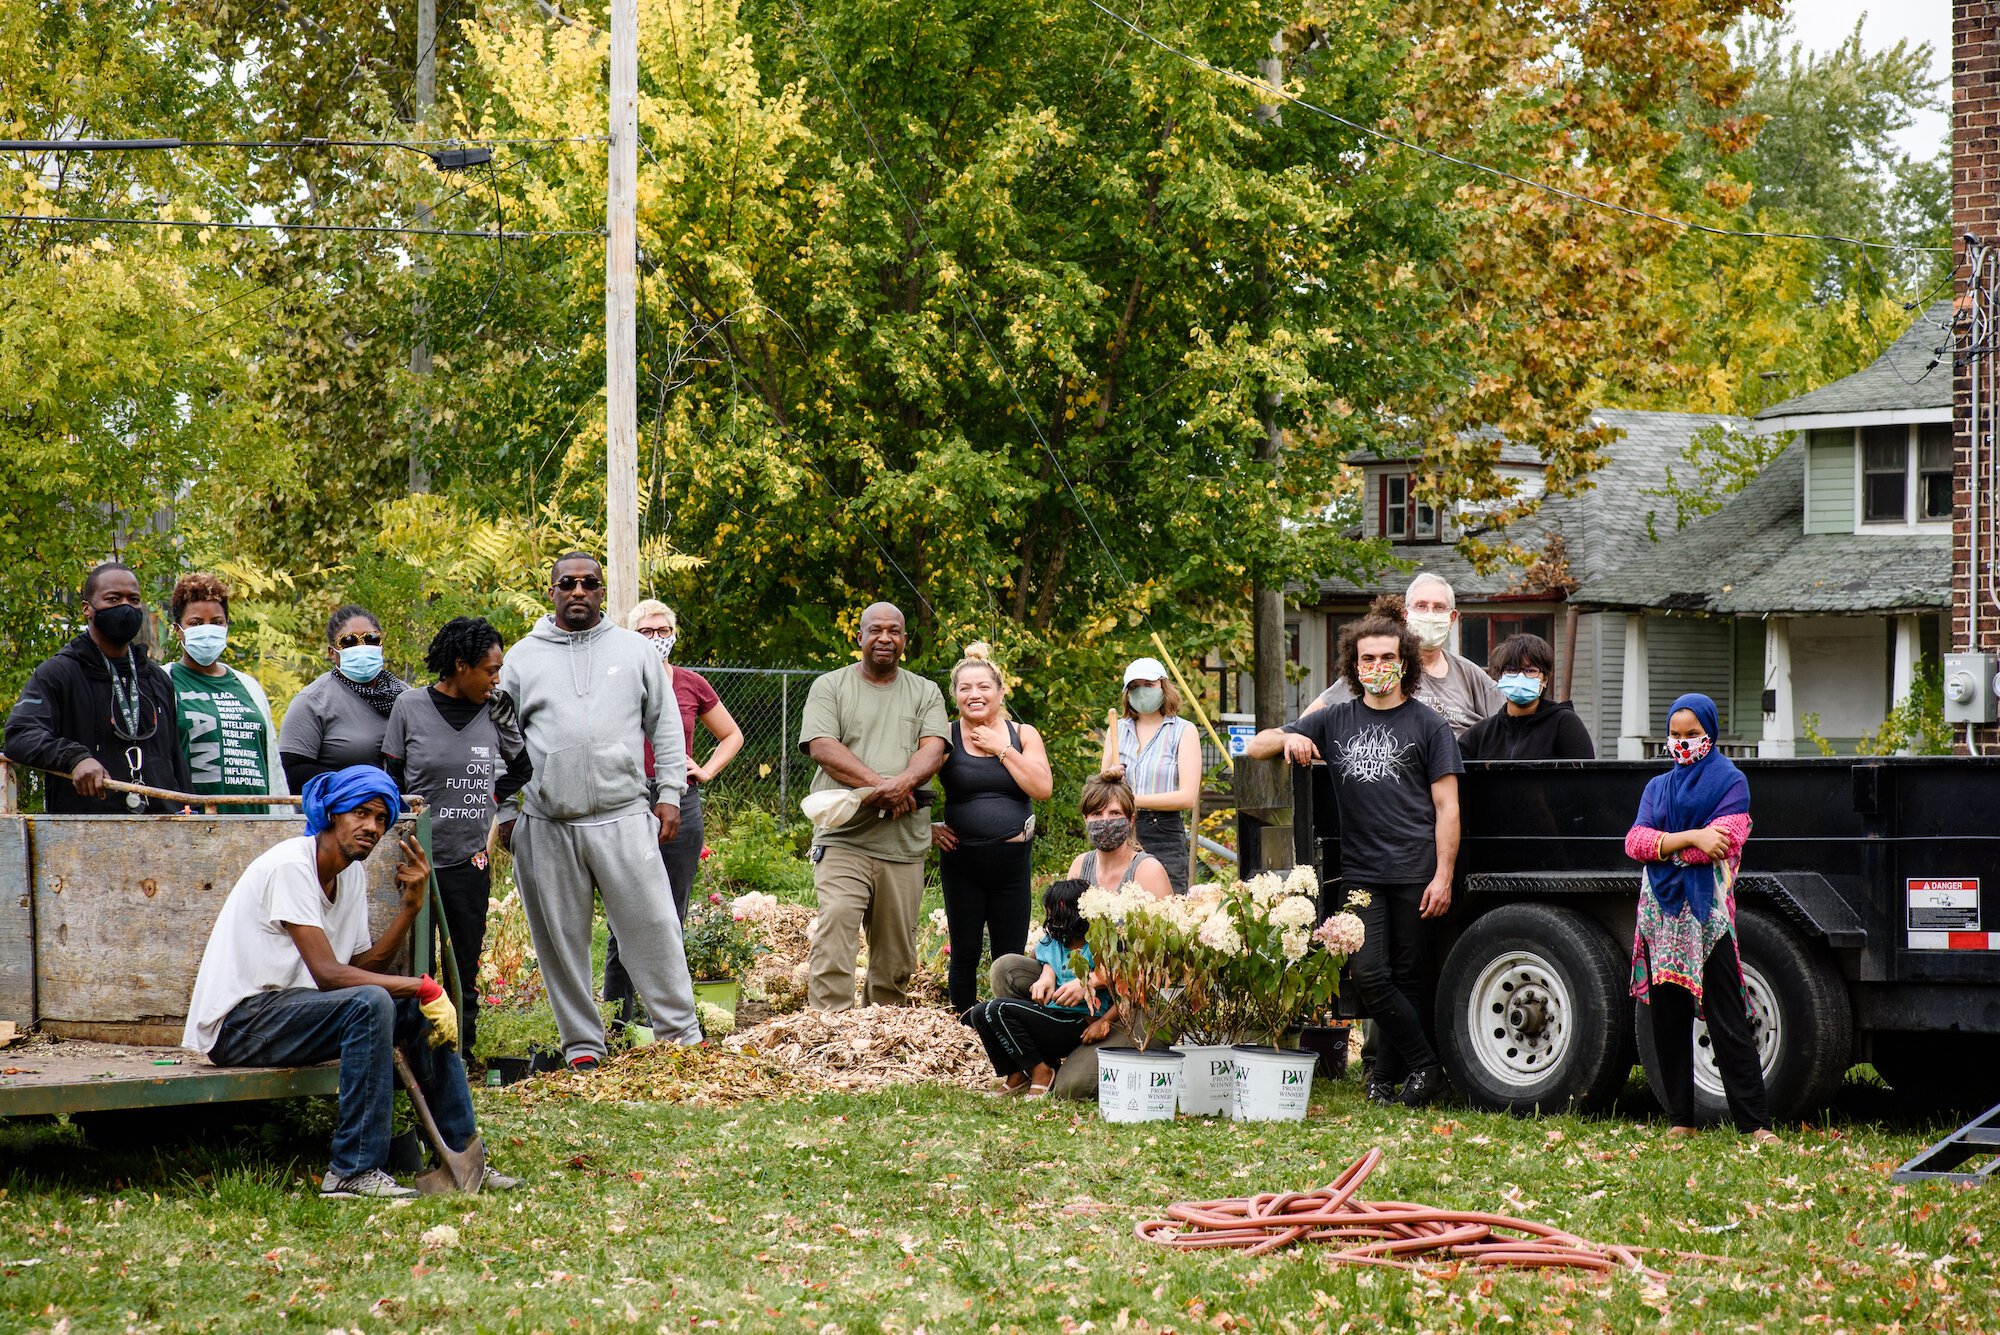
1145,669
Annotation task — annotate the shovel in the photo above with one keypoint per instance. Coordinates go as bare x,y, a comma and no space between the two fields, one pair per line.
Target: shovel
458,1170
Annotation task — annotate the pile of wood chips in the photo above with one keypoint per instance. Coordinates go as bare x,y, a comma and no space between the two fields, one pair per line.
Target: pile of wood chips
871,1047
780,974
704,1077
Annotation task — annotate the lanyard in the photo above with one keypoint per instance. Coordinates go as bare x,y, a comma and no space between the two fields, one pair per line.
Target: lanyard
125,701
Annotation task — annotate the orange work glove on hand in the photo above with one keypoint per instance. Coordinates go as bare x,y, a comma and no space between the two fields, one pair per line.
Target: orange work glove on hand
437,1008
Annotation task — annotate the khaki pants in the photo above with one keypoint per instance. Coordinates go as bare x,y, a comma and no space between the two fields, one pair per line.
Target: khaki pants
860,893
1076,1078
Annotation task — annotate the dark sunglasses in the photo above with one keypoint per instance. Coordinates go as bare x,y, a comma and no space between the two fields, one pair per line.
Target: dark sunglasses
366,637
588,583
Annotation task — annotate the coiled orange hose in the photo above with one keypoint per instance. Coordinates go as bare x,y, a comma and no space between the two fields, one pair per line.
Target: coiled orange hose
1392,1233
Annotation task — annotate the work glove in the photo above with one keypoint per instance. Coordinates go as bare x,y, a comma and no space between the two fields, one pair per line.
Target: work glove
437,1008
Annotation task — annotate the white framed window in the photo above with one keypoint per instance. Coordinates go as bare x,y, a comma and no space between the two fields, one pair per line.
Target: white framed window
1903,475
1396,506
1426,526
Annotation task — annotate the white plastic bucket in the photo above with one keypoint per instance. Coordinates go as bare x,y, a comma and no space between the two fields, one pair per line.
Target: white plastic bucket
1208,1079
1135,1086
1272,1084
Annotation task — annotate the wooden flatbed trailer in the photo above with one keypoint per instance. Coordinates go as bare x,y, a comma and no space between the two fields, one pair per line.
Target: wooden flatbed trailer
103,920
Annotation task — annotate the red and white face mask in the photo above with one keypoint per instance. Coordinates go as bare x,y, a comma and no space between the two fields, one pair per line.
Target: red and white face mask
1687,750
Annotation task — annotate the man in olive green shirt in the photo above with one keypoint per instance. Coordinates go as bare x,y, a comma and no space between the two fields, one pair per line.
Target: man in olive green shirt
872,725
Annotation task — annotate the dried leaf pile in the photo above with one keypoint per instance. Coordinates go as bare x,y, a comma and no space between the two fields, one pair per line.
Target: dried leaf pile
704,1077
871,1047
780,975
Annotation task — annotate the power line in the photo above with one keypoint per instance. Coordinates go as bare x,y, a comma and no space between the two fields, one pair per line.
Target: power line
156,145
1268,92
60,219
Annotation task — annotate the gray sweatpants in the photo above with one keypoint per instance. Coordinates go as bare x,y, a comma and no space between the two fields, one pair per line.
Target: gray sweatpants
559,865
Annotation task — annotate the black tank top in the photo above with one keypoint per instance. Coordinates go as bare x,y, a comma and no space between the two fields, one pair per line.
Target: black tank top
983,804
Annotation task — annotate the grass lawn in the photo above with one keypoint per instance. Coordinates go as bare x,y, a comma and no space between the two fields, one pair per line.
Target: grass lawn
932,1209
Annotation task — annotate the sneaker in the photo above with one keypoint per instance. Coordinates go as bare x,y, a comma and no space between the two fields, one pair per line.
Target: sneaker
372,1182
1425,1087
497,1181
584,1064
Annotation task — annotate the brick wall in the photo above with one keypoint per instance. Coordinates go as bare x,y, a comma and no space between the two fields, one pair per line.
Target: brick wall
1975,207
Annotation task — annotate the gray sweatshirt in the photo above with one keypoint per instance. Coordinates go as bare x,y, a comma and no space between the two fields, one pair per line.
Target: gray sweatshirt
586,702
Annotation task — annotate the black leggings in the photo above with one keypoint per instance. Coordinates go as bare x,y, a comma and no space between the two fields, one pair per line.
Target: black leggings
1019,1035
466,889
1391,972
986,893
1673,1015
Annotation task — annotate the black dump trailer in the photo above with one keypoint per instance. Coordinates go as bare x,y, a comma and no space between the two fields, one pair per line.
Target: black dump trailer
1868,914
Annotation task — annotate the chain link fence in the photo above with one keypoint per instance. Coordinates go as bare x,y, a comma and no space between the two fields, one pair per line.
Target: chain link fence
770,772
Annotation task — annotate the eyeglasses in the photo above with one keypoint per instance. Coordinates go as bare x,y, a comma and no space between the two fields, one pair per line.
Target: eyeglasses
366,637
656,632
588,583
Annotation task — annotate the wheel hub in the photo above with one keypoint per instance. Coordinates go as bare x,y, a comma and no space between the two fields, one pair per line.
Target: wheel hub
1766,1031
1518,1018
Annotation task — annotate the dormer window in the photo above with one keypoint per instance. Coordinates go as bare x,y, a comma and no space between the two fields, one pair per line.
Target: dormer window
1404,518
1906,474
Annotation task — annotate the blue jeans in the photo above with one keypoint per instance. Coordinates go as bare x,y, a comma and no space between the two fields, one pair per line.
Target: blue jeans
360,1026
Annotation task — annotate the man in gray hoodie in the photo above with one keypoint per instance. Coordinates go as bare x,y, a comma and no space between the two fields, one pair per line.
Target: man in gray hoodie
586,692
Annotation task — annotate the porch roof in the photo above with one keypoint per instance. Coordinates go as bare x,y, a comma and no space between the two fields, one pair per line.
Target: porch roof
1753,557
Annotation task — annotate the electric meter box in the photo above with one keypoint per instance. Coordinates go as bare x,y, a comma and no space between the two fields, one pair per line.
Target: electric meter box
1968,688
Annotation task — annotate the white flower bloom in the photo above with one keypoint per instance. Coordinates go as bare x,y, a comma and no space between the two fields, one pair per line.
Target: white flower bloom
1302,881
1296,911
1220,935
1269,885
1097,904
940,921
1296,941
1359,899
753,906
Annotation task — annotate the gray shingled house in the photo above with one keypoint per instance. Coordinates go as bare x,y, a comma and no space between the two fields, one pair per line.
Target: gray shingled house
1822,586
1601,528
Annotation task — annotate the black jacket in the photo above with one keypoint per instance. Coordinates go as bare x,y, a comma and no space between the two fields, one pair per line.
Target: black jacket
1553,732
66,713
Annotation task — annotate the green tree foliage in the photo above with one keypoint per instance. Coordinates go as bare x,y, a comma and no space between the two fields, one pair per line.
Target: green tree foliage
125,389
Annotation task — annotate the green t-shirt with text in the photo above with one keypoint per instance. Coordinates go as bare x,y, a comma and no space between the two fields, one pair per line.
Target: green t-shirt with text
882,726
224,735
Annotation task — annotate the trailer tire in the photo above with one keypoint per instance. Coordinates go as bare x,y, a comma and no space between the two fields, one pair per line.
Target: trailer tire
1801,1019
1532,1011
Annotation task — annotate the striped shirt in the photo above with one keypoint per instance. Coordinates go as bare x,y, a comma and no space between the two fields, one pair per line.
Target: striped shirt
1155,768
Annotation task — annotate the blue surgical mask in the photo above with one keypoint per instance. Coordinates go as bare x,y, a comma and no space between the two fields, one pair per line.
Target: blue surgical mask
1521,688
204,644
362,663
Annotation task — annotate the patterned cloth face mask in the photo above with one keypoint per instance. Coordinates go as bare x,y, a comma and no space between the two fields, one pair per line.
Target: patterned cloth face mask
1687,750
1382,679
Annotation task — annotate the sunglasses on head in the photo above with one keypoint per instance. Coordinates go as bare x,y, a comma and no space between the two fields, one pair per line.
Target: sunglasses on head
588,583
365,637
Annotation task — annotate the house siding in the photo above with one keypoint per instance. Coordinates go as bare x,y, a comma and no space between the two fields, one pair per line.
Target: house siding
1747,714
1687,654
1830,481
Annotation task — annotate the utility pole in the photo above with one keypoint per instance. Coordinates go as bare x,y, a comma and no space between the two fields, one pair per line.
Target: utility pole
420,350
1263,787
621,369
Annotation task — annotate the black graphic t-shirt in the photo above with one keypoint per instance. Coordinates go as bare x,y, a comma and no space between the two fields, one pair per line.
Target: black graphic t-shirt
1383,763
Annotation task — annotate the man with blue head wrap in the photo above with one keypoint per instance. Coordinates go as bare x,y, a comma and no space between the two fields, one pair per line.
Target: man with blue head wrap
292,977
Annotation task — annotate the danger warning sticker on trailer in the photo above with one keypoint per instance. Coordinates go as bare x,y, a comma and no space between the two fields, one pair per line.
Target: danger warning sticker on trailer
1944,906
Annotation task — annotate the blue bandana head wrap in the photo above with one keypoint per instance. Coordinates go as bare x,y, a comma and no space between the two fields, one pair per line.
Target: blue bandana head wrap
327,795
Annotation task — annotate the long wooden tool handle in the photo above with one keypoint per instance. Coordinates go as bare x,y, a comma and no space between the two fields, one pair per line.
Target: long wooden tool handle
445,1152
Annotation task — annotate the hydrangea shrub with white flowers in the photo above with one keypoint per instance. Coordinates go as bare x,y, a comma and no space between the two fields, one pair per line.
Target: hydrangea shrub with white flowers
1223,962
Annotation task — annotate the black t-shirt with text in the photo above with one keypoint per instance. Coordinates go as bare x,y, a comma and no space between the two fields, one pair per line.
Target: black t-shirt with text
1383,763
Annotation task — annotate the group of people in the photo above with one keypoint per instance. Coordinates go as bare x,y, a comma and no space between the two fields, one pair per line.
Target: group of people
571,748
1395,728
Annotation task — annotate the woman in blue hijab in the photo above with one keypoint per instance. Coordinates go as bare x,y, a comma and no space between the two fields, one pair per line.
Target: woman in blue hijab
1692,824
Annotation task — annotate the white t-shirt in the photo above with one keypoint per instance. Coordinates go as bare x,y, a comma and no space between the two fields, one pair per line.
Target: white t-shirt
250,951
